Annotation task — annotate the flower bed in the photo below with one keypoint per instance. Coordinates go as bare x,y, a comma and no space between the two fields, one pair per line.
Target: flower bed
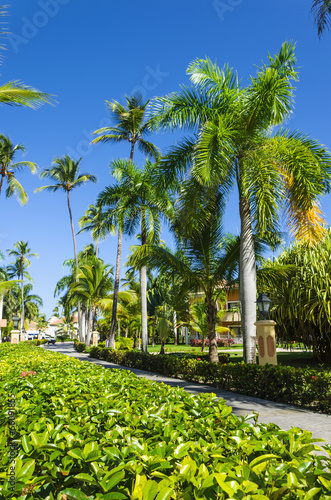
220,342
73,430
303,387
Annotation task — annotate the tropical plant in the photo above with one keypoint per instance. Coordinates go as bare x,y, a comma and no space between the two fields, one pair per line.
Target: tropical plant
93,283
232,143
302,300
130,125
204,261
8,169
322,12
65,173
23,253
136,200
97,222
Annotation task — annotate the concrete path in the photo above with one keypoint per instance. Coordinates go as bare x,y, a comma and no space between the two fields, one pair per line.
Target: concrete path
286,416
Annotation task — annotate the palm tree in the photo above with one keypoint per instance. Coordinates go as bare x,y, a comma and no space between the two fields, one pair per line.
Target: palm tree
97,222
8,169
136,200
94,283
23,253
65,173
130,125
5,285
204,260
322,11
232,144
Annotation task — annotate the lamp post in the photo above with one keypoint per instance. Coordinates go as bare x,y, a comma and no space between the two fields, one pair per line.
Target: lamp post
265,332
15,334
95,333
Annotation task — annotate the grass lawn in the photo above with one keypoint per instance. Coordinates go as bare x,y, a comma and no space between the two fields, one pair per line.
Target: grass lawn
188,348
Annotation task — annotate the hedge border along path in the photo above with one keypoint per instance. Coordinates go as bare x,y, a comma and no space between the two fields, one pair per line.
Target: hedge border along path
306,387
84,432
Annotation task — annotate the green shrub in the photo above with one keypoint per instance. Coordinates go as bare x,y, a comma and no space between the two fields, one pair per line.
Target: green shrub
83,432
80,346
303,387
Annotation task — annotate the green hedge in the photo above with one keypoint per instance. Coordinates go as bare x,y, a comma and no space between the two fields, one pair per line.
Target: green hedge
303,387
82,433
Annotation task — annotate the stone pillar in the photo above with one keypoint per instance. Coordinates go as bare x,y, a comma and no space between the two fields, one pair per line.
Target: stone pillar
15,336
23,337
40,336
95,336
266,340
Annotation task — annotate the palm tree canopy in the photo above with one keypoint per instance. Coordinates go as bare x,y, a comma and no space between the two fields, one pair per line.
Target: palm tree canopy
322,12
94,283
65,173
96,221
130,125
8,168
22,253
232,142
136,198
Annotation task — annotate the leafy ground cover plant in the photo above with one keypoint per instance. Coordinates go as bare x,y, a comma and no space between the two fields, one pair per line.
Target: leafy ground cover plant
286,384
81,432
220,342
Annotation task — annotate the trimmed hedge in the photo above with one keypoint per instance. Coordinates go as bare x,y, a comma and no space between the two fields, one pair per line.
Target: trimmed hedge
285,384
81,432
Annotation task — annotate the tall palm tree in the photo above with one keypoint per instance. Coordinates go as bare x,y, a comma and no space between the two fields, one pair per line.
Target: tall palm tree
204,260
130,125
94,283
97,222
23,253
8,169
233,144
65,173
136,200
322,11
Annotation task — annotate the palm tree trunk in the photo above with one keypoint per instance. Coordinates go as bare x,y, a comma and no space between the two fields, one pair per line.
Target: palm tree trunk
80,324
97,248
211,319
116,289
247,282
175,327
22,293
88,326
1,182
143,294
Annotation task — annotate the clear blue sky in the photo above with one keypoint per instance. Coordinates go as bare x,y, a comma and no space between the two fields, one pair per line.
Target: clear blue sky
87,52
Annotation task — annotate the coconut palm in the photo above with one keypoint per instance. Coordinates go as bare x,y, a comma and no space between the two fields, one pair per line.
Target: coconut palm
8,168
233,144
65,173
97,222
322,11
130,125
5,286
135,201
94,283
23,253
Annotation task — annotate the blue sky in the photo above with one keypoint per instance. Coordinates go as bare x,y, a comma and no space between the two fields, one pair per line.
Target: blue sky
85,53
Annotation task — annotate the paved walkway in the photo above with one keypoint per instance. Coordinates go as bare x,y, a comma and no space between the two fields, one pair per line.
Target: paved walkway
286,416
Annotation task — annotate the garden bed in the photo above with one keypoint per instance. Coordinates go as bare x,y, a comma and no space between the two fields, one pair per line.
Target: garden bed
73,430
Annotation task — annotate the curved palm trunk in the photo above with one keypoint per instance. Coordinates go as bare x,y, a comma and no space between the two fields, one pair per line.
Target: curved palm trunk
80,327
247,282
175,327
116,289
22,294
143,294
1,182
211,319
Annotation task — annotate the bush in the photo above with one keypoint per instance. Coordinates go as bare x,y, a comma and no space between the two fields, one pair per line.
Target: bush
86,432
80,346
303,387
